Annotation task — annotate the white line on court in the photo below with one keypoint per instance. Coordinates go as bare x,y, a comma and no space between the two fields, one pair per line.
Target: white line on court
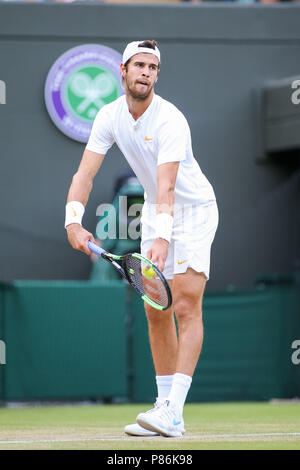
114,438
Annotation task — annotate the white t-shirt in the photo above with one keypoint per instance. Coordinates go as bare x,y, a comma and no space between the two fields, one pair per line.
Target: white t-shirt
160,135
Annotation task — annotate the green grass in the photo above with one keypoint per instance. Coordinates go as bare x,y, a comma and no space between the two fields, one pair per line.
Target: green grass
208,426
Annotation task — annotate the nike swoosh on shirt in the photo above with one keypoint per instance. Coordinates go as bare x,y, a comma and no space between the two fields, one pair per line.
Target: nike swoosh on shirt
148,139
181,262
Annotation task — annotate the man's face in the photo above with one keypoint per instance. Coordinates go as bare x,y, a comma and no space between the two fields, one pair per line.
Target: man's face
141,75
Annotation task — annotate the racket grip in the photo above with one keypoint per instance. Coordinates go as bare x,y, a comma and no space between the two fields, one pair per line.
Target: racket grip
95,248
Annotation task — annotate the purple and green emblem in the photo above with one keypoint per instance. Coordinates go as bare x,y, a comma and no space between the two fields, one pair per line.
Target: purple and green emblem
79,83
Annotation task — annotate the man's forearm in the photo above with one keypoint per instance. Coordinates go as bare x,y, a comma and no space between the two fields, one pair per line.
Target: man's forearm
80,188
82,182
77,199
166,180
165,201
164,212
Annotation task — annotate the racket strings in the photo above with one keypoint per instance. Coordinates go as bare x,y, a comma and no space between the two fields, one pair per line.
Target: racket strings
147,281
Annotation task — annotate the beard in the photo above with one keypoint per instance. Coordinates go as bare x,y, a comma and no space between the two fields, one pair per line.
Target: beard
138,95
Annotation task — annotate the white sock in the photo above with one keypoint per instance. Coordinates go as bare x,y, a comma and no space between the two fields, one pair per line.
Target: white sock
179,390
164,384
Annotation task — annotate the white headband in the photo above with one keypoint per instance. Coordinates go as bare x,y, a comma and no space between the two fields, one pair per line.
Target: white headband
133,48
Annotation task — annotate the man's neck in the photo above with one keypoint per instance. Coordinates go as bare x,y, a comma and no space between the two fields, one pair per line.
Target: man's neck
138,107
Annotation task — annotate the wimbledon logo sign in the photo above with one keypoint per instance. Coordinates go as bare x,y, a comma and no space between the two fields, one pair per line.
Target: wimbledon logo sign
78,84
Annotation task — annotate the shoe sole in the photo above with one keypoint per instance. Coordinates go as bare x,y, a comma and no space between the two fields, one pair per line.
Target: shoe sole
136,430
153,427
153,434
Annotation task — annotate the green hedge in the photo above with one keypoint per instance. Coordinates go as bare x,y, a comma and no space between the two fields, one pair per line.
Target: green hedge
89,340
64,340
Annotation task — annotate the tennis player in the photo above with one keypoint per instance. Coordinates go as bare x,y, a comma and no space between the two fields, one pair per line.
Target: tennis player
179,221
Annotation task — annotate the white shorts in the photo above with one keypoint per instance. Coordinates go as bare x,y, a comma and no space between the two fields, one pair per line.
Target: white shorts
194,230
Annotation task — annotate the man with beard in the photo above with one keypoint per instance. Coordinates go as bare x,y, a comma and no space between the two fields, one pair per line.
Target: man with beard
179,221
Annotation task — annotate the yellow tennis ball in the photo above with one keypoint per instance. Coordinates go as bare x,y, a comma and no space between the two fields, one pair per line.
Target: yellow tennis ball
148,272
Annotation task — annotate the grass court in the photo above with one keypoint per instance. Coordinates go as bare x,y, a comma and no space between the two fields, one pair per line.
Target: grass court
217,426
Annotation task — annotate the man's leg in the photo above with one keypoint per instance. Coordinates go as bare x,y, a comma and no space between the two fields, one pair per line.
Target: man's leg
163,338
169,354
188,289
163,343
188,298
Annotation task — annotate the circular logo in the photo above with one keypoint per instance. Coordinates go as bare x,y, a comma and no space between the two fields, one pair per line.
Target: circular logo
79,83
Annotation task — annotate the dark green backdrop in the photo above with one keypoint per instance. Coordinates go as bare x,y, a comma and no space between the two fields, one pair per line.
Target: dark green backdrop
86,340
68,339
216,59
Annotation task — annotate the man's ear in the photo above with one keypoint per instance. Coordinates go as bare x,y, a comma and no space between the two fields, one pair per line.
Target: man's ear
157,75
122,70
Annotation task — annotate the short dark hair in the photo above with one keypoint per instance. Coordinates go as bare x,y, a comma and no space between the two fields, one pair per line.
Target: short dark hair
150,44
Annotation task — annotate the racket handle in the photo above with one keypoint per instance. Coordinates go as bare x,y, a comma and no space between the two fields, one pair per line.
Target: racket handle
95,248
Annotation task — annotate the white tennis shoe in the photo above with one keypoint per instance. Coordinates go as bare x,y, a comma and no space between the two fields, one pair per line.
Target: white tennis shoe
137,430
165,419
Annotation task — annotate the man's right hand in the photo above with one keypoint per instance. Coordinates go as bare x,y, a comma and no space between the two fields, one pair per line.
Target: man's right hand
78,238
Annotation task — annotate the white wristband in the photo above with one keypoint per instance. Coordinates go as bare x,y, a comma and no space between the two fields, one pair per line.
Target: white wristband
74,213
164,226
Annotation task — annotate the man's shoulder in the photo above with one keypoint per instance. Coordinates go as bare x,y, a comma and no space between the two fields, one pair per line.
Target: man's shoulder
168,110
163,103
114,105
108,112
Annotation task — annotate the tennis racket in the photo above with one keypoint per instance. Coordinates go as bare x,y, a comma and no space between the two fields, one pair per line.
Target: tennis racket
146,279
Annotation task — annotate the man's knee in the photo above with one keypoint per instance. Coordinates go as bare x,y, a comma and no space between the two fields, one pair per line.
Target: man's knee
187,309
188,295
158,316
